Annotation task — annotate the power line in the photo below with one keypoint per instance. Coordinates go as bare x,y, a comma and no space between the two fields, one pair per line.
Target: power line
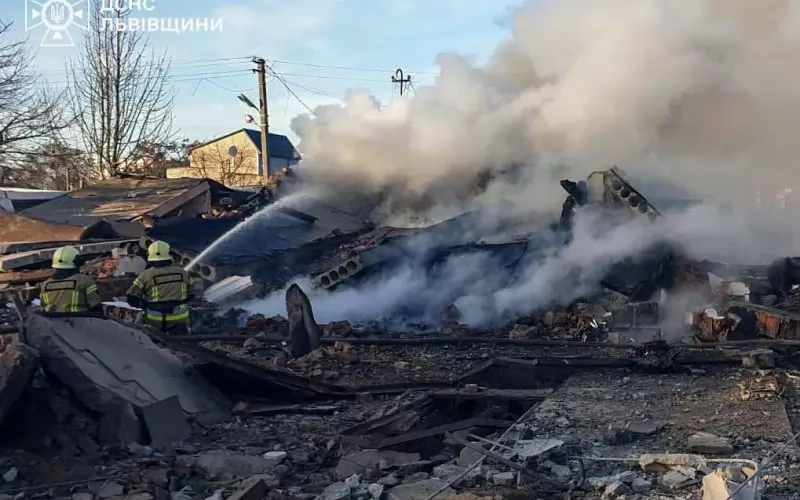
210,61
223,87
212,76
218,74
192,62
326,77
186,77
347,68
289,89
193,77
314,90
219,59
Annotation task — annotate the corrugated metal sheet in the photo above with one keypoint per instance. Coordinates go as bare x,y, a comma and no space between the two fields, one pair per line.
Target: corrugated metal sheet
113,199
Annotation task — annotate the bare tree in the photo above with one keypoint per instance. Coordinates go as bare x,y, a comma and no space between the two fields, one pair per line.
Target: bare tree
154,159
29,114
215,162
54,165
119,93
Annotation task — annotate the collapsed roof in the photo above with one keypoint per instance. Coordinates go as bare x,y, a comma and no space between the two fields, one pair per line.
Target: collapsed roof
284,229
123,199
20,229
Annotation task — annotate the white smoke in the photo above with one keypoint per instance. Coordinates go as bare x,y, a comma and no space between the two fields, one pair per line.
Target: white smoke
700,93
409,292
481,289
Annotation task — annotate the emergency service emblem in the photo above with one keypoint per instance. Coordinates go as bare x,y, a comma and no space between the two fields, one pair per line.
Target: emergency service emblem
55,18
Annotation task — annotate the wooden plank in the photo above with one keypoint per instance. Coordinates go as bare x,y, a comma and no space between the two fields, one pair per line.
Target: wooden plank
23,259
485,394
303,387
442,429
190,195
568,361
22,277
297,408
370,426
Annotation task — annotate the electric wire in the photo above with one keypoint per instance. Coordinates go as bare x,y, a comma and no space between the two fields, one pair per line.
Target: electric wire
189,77
313,90
347,68
329,77
222,62
289,89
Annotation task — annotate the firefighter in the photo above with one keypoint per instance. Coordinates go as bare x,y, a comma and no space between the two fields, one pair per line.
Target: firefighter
69,292
163,291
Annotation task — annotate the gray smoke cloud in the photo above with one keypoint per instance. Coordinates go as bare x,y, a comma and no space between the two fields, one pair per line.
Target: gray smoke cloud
700,92
487,295
695,93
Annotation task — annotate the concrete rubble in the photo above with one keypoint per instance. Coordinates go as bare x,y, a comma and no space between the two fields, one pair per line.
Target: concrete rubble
596,398
117,371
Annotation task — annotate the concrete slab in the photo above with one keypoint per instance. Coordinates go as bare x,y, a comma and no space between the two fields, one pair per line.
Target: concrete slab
109,365
230,291
166,422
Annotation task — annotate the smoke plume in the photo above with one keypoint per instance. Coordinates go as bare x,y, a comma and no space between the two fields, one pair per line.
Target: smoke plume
489,292
699,92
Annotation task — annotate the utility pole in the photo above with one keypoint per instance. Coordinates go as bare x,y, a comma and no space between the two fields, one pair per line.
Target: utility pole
398,78
261,71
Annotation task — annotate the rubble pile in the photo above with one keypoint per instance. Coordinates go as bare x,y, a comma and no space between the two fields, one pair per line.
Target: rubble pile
606,396
414,444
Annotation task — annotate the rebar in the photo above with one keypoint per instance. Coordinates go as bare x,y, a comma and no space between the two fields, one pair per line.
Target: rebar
502,439
764,464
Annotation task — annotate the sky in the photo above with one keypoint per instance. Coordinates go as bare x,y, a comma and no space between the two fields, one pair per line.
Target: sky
303,41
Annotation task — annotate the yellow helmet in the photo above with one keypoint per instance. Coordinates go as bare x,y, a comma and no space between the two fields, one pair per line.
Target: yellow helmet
64,258
158,251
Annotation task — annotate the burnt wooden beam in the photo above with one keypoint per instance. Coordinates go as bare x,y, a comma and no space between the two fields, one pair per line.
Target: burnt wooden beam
441,430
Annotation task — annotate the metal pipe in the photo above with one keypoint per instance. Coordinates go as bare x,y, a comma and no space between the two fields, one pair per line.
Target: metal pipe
764,464
489,441
451,482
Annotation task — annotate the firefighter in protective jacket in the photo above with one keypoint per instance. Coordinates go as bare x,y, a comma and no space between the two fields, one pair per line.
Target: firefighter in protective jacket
69,292
163,291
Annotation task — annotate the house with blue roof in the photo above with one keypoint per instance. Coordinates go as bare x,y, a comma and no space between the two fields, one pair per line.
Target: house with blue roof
235,159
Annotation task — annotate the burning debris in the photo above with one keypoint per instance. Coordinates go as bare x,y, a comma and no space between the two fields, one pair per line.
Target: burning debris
409,398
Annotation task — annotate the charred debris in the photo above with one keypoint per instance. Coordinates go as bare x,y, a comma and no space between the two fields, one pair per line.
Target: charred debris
606,396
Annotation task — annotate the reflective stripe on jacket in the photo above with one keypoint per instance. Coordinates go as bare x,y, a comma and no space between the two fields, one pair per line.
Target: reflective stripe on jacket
164,291
178,314
76,294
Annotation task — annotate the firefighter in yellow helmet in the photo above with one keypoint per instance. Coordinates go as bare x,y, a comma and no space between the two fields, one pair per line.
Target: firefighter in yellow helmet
69,292
163,291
